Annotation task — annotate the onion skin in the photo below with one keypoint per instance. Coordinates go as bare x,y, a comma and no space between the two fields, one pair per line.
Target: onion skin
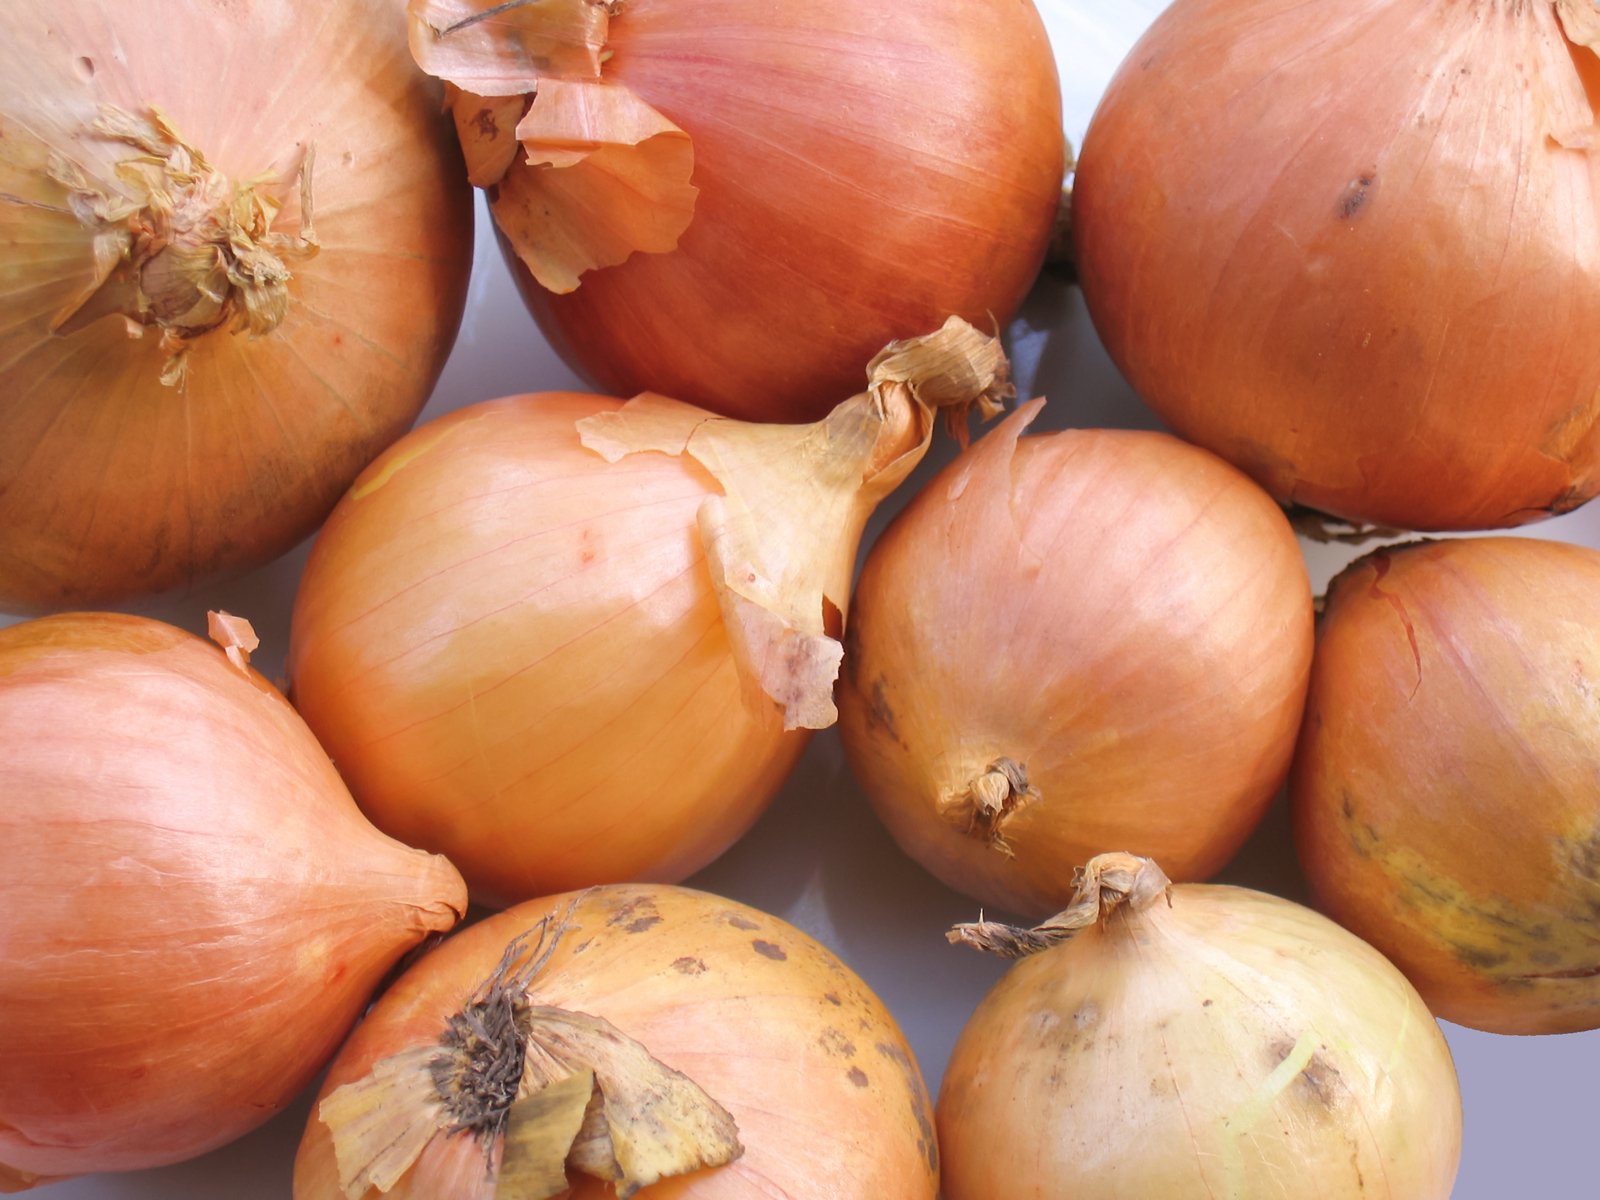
1221,1042
1443,791
548,708
1356,251
936,124
196,911
1125,616
113,485
827,1096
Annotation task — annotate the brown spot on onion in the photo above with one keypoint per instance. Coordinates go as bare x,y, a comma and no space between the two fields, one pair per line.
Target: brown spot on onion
769,950
857,1076
688,965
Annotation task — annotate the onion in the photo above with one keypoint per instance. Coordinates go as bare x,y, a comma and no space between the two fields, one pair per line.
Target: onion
568,641
754,198
233,254
195,910
1195,1040
1356,250
1081,639
704,1036
1444,789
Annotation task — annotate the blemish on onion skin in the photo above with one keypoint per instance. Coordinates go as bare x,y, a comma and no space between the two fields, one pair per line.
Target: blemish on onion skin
742,922
832,998
927,1142
643,923
1355,194
834,1042
85,66
769,950
857,1076
689,966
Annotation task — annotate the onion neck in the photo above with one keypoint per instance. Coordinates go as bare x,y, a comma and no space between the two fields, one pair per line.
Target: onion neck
1109,883
178,246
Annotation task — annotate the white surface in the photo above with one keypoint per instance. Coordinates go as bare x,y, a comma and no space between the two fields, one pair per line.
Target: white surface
819,858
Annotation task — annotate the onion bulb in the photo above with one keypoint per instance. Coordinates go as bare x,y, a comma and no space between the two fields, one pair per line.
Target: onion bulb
1444,790
1075,640
234,247
195,910
618,1037
1356,249
1195,1040
566,640
738,204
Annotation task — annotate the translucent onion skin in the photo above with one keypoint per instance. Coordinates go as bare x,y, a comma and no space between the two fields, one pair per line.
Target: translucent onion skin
513,651
1222,1042
195,910
863,171
828,1099
1444,791
1356,250
114,485
1125,617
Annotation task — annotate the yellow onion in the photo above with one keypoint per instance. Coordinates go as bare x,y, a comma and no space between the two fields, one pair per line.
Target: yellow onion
1077,640
1195,1041
1444,788
1356,249
195,909
738,204
566,640
234,248
629,1040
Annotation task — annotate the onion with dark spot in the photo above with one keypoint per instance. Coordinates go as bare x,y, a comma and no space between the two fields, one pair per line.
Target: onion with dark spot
768,1096
1355,249
1195,1040
1444,789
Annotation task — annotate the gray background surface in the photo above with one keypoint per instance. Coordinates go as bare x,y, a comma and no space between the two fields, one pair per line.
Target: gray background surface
819,858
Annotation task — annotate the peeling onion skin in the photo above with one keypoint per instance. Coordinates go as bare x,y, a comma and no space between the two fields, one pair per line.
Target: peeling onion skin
1125,616
229,911
548,708
1347,250
935,126
828,1099
1146,1057
114,486
1443,793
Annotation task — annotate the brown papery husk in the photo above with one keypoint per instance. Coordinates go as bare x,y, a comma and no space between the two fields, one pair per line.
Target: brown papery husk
566,640
859,172
1198,1040
195,910
131,465
1075,640
1357,251
1443,789
826,1095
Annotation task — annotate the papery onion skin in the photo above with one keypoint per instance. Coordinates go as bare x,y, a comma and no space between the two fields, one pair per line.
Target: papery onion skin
829,1102
1124,616
513,651
863,171
1356,251
1443,792
1222,1042
196,911
113,485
